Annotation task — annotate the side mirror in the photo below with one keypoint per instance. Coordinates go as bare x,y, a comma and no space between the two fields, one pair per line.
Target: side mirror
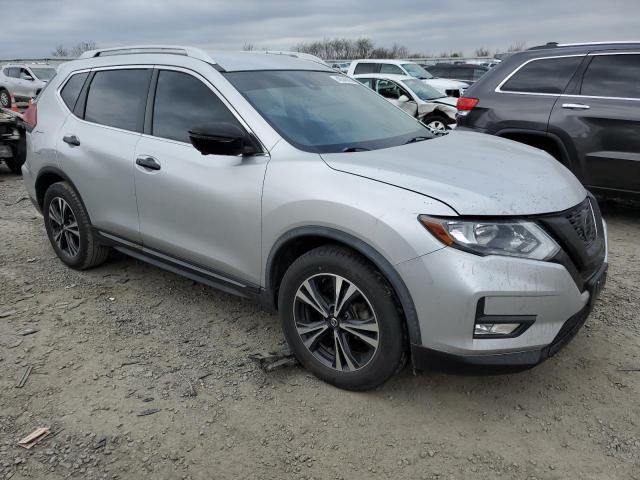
222,139
26,77
403,98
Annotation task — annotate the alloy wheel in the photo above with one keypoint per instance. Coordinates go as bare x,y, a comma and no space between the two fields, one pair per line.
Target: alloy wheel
437,126
5,100
64,227
336,322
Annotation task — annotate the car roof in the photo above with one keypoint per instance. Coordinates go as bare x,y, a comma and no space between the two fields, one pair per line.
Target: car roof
243,61
30,65
379,60
386,76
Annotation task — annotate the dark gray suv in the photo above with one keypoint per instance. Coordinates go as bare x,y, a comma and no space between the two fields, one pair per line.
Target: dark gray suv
579,102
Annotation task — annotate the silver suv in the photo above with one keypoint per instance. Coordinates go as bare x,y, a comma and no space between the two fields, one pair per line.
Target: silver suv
23,81
279,179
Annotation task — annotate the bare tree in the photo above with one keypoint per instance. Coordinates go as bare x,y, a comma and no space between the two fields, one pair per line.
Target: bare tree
82,47
482,52
60,51
248,46
517,46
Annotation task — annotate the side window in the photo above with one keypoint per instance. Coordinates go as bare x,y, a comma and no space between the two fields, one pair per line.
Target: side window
390,90
550,75
365,68
612,76
24,74
390,68
183,102
368,82
117,98
477,73
71,90
13,72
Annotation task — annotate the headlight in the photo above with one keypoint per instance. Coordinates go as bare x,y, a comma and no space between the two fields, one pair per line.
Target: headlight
514,238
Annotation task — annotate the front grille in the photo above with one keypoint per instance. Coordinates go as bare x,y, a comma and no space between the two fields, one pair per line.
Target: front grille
583,221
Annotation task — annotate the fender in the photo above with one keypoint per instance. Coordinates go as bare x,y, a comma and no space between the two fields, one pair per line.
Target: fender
380,262
566,158
55,171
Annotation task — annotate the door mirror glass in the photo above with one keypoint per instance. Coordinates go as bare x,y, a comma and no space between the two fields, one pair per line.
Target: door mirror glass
222,138
403,98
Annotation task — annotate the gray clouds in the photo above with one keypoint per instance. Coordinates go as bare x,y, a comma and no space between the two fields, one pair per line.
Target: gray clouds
424,26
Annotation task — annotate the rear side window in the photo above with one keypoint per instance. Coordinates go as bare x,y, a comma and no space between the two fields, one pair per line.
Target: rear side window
365,68
71,90
117,98
549,75
613,76
366,81
390,68
183,102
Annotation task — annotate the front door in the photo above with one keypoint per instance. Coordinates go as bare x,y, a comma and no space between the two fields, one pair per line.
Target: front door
201,209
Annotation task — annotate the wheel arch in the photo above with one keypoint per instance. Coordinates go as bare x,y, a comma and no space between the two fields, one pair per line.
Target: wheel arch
47,176
299,240
539,139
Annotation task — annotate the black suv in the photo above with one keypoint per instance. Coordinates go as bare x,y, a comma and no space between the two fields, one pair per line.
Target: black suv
463,72
579,102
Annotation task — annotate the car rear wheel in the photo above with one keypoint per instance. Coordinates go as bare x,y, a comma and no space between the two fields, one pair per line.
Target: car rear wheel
5,98
341,320
69,229
435,122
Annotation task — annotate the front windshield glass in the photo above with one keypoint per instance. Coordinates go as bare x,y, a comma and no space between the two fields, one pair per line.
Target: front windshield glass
417,71
422,90
44,73
325,112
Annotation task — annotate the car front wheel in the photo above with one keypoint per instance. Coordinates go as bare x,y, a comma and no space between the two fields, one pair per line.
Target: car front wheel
341,320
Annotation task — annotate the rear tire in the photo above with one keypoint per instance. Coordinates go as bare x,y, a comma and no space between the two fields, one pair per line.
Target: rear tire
5,98
359,340
69,229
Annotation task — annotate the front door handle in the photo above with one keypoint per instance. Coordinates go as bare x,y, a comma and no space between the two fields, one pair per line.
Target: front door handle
71,140
575,106
148,162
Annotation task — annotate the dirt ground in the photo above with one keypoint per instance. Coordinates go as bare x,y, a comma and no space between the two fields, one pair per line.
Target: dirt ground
140,373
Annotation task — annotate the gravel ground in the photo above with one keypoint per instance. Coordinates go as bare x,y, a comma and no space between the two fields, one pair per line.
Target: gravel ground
140,373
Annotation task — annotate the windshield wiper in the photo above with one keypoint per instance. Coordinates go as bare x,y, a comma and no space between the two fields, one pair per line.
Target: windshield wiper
355,149
417,139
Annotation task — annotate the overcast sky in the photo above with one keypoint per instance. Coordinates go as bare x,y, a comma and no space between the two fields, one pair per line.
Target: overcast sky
422,25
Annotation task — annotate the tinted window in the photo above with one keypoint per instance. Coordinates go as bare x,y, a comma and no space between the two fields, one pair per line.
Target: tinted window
478,72
71,90
613,76
44,73
365,68
543,76
389,68
391,90
117,98
366,81
183,102
438,71
322,112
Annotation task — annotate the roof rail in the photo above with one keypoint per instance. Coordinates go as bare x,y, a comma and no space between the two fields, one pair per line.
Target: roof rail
137,49
582,44
300,55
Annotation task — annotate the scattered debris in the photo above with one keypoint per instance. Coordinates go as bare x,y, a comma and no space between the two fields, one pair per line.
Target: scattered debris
271,362
149,411
31,260
25,376
34,437
7,314
28,331
100,443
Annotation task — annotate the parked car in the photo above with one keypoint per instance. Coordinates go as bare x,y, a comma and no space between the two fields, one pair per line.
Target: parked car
435,110
279,179
342,67
12,140
412,69
23,81
462,72
579,102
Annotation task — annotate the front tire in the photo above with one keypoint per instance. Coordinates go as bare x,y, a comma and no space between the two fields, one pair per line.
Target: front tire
437,123
5,98
69,229
341,320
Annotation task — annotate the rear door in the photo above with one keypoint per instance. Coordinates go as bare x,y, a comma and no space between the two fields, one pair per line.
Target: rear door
97,144
202,209
603,121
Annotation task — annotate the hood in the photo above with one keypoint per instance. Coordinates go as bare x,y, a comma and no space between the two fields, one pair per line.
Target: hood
473,173
442,84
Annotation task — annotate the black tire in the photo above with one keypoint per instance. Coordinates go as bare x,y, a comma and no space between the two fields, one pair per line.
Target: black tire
19,151
5,98
334,261
437,117
87,252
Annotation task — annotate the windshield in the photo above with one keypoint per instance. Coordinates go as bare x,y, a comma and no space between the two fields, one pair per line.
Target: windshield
422,90
417,71
44,73
325,112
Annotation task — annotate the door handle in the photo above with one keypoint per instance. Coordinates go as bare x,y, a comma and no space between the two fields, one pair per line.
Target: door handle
148,162
71,140
575,106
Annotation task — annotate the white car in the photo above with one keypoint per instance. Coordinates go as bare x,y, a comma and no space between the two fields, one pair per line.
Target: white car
451,88
23,81
435,110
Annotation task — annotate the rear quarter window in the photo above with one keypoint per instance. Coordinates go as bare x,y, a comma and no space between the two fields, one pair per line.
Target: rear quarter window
72,88
548,75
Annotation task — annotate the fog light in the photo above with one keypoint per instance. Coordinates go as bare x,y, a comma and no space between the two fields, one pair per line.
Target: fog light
495,329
